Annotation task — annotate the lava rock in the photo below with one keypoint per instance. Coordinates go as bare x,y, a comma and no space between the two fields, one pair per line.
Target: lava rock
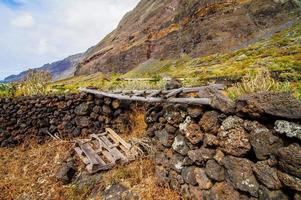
267,175
82,109
164,137
195,111
264,143
194,134
106,109
210,122
173,84
233,139
200,156
204,183
179,145
240,174
197,194
290,159
257,105
290,181
170,129
189,176
215,171
177,162
266,194
211,140
223,191
290,129
66,172
82,121
222,103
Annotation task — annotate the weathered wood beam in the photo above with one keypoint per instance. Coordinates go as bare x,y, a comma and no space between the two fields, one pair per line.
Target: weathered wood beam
195,101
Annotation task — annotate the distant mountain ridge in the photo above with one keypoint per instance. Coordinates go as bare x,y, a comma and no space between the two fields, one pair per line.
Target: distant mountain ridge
59,69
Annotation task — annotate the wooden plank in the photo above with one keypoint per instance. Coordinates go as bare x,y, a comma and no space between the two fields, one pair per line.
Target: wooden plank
81,155
114,151
174,93
109,156
91,155
117,138
194,101
154,93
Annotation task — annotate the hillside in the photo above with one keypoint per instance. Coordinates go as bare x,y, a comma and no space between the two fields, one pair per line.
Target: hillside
167,29
59,69
278,53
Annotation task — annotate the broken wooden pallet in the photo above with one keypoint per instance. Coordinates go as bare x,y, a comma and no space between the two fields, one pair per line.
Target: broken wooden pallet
103,151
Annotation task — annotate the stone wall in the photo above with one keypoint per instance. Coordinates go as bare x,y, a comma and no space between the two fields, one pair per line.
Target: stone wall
206,154
65,116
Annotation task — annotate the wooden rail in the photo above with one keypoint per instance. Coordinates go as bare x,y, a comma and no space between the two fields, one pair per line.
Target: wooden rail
160,96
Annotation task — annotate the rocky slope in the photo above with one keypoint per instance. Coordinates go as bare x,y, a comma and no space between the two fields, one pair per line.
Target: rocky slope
162,29
59,69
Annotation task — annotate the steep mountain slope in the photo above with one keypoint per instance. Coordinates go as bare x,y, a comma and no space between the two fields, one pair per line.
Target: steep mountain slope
163,29
59,69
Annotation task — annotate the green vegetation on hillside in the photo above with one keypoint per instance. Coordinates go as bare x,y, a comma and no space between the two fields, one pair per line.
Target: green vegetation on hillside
280,55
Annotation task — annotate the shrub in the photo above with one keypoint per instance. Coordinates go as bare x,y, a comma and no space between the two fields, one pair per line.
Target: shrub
256,82
35,83
7,90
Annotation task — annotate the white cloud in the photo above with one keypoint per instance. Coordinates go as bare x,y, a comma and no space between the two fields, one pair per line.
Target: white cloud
39,32
23,20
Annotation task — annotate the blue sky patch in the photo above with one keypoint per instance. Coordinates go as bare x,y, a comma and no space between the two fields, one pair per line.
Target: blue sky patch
12,3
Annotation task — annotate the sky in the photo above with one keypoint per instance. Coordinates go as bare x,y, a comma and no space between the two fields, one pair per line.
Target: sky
36,32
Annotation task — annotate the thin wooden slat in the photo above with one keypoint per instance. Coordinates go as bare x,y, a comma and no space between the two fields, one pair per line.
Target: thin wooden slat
174,93
92,156
155,93
118,138
80,154
109,156
116,154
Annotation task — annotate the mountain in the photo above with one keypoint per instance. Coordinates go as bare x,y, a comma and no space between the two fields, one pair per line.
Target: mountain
59,69
167,29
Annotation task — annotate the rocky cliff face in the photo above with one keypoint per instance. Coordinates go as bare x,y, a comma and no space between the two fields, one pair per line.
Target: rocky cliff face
59,69
163,29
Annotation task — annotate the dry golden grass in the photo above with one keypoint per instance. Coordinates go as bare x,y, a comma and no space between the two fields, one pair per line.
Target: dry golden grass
29,171
140,176
138,125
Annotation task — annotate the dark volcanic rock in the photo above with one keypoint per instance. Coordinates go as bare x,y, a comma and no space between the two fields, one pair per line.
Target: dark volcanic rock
200,156
223,191
193,133
215,171
195,112
210,122
203,181
264,143
173,84
82,109
290,129
282,105
290,181
290,159
267,175
66,173
189,175
82,122
179,145
240,174
265,194
234,140
164,137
